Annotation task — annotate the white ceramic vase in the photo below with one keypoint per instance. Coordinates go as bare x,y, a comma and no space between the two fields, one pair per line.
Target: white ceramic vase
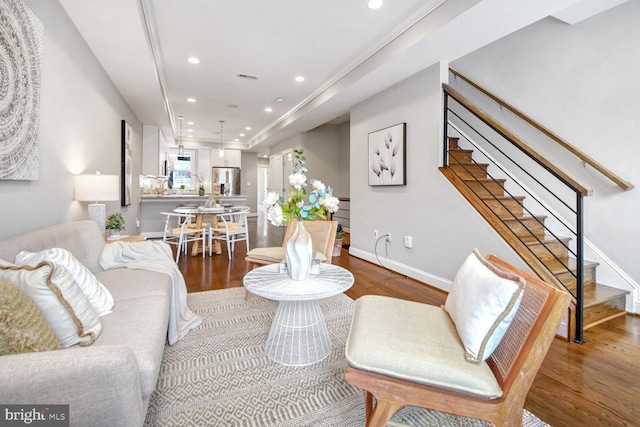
299,255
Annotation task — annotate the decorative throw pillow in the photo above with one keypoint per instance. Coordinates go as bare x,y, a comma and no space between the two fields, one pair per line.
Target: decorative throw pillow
63,304
23,327
482,303
96,293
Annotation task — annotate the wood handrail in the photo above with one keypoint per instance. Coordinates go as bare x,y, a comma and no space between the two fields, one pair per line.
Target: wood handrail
578,187
625,185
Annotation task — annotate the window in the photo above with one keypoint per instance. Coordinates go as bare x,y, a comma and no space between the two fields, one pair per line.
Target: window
181,168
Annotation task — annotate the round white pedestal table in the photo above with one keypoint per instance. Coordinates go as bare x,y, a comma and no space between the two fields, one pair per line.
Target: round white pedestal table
298,334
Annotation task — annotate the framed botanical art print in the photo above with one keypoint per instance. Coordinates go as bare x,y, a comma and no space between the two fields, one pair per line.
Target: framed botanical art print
126,165
387,156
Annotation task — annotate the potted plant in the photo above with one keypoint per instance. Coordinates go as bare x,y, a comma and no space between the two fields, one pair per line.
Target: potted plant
200,181
337,246
115,224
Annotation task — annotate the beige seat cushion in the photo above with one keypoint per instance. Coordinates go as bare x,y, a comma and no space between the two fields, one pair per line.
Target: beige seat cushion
416,342
276,254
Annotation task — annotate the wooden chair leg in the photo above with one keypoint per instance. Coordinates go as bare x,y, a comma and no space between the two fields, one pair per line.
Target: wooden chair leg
368,406
383,412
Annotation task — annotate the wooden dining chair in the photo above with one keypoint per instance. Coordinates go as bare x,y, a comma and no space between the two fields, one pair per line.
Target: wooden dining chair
177,231
323,236
231,227
404,353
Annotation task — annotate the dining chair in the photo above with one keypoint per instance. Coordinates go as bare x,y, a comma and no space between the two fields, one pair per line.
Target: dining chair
231,227
323,236
404,353
177,231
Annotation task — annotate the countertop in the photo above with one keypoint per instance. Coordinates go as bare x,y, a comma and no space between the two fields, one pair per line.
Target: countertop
188,196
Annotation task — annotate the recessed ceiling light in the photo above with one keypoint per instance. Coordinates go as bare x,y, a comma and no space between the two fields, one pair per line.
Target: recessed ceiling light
247,128
374,4
242,134
190,123
191,100
279,99
299,79
189,130
268,109
264,155
236,140
180,118
193,60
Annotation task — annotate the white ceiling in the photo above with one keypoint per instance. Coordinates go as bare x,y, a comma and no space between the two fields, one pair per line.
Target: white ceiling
345,51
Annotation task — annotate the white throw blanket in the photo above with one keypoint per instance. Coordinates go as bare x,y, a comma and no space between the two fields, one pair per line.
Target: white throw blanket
155,255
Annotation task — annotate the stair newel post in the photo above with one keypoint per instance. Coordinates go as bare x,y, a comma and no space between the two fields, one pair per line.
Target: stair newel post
579,337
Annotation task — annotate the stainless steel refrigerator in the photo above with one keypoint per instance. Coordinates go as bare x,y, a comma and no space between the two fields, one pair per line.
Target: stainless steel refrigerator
226,181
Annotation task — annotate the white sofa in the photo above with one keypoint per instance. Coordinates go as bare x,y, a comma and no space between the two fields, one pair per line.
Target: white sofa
110,382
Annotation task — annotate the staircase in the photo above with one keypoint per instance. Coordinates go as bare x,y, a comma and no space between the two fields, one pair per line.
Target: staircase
546,255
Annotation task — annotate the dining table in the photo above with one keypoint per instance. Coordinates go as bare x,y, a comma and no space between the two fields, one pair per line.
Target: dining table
200,213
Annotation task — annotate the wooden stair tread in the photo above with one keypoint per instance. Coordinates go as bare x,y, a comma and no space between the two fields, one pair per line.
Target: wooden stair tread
546,239
571,263
518,198
484,180
596,293
540,218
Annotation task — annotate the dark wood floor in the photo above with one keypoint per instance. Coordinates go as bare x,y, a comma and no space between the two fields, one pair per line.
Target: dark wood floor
594,384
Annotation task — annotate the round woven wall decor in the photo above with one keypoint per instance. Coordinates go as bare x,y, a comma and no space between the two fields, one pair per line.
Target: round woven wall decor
20,51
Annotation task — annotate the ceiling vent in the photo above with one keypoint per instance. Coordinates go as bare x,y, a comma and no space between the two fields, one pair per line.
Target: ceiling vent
246,76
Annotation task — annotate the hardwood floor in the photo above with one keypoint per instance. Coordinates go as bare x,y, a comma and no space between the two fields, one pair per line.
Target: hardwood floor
594,384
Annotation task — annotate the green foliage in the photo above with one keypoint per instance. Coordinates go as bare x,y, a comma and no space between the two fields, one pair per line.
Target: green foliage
115,222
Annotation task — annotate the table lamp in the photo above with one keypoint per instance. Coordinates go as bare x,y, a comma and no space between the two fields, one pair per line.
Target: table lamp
96,188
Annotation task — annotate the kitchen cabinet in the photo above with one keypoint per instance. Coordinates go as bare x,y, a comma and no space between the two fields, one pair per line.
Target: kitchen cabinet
231,159
154,150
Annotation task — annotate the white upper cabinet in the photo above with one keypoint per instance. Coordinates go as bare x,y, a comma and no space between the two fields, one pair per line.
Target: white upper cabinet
154,150
231,159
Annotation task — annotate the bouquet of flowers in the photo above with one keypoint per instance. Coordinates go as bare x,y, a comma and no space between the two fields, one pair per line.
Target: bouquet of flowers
319,204
200,180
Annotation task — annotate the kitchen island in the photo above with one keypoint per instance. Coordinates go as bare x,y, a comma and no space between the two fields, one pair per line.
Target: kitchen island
151,222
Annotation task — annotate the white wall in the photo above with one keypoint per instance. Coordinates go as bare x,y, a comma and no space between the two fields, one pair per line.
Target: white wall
249,176
445,228
321,148
324,150
581,82
344,161
80,114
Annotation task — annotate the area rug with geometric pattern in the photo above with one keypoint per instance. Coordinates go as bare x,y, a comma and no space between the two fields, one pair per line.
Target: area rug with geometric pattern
219,375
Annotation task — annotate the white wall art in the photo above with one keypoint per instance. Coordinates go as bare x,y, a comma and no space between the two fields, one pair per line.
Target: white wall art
387,160
126,176
20,52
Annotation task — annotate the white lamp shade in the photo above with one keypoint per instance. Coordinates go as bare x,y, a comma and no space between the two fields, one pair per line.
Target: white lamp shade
96,188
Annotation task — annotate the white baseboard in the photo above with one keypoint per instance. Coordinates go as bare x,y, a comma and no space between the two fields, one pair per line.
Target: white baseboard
406,270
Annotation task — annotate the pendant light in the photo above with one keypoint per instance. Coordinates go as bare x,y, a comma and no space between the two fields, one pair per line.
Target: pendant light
180,146
220,149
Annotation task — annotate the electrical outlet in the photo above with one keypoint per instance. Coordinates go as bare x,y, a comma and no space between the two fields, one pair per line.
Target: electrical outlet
137,222
408,242
388,237
375,234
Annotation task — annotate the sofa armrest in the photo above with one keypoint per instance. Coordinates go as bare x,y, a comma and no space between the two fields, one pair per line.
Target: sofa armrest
101,385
